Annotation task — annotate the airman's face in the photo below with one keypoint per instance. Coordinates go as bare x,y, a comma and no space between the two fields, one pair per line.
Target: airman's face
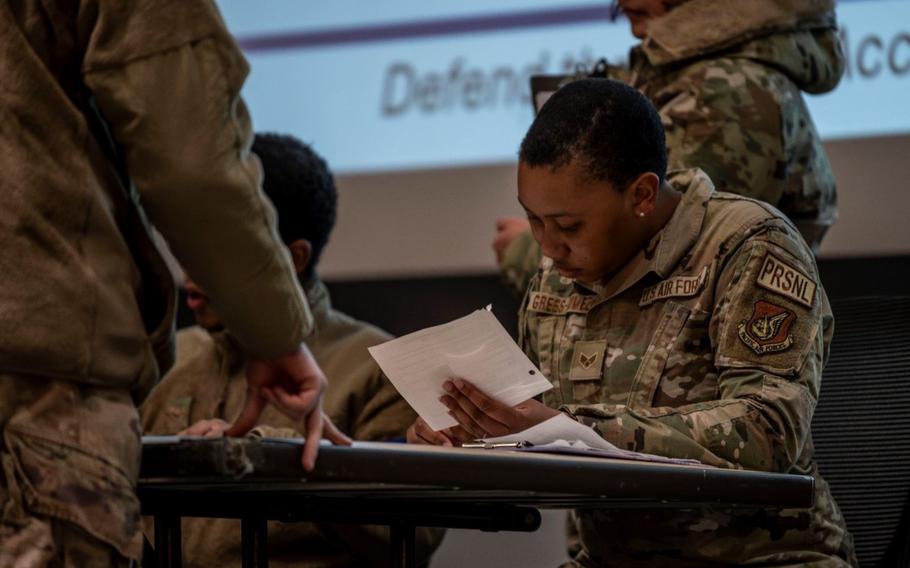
641,12
198,302
585,226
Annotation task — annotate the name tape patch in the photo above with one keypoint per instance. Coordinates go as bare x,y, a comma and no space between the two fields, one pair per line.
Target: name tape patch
676,287
781,278
559,305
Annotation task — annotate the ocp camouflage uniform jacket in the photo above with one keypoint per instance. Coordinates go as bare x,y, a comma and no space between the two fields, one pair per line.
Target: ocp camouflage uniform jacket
709,344
86,303
727,80
208,381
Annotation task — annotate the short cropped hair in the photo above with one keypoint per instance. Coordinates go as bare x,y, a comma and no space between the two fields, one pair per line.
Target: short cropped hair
298,182
611,129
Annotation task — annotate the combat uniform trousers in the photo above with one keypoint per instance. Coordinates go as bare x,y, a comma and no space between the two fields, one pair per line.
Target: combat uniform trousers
70,455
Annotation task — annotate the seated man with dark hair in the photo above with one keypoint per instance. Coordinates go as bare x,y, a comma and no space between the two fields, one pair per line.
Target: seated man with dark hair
205,389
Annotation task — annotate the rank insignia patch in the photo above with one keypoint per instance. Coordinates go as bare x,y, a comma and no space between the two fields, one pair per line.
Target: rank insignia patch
768,330
587,360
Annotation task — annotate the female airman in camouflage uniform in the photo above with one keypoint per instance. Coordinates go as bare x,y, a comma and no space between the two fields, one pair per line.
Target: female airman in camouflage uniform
674,319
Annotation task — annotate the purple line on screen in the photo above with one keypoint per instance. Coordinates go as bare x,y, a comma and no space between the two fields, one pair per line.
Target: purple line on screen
427,28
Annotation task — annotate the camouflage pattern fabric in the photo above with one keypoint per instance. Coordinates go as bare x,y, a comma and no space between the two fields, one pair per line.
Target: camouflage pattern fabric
740,117
70,459
731,104
519,262
708,345
86,296
208,381
49,542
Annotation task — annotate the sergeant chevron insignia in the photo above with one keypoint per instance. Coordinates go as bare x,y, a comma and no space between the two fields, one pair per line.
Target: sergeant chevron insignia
587,360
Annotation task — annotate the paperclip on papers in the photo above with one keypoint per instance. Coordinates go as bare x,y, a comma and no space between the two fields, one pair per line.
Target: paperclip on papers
475,348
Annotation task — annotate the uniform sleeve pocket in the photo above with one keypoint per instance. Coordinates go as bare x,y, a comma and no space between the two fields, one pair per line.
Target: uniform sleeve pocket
70,484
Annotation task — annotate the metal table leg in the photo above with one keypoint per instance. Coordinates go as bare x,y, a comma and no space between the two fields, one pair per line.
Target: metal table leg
168,541
402,540
254,542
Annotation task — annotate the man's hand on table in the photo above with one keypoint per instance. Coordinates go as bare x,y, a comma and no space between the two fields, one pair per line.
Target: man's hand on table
294,383
213,428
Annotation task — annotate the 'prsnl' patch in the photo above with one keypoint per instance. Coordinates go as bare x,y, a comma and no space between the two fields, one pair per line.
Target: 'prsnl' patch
587,360
778,276
768,330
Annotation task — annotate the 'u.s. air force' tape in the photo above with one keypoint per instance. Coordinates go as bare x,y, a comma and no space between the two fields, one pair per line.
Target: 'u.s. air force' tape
676,287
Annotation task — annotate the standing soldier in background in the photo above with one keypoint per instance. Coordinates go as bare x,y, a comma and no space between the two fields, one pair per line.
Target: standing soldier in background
726,78
105,103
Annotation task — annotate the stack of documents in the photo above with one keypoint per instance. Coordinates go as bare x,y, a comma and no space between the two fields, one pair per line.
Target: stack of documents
562,435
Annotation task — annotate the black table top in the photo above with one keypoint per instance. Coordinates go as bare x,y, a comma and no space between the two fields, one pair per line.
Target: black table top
251,470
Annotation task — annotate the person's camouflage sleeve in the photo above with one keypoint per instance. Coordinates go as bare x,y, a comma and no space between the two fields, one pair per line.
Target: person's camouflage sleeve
748,128
519,262
726,122
183,149
769,351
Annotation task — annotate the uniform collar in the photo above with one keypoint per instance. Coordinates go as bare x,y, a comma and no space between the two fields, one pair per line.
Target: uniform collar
667,248
230,353
317,296
698,27
680,233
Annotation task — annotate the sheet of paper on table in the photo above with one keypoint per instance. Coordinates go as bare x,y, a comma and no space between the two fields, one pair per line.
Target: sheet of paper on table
560,434
475,348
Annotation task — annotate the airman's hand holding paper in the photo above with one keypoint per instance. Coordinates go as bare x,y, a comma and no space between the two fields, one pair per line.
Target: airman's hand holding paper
476,348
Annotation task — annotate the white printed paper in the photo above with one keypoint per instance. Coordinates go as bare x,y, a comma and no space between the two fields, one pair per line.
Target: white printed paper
475,348
561,434
559,427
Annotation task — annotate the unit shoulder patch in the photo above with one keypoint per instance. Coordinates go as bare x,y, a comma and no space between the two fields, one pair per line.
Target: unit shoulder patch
781,278
768,329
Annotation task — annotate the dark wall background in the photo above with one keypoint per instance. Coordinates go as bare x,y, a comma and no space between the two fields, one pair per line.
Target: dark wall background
403,306
408,304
